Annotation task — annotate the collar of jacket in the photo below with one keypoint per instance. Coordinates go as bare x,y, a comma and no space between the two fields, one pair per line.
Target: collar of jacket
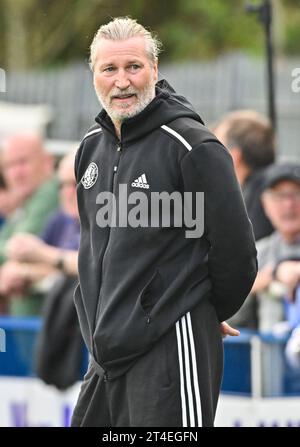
164,108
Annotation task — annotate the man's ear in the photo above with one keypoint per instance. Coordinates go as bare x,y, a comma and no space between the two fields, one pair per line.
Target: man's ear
237,156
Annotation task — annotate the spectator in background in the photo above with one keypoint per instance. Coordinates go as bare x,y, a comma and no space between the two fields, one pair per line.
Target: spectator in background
10,198
250,139
28,171
279,253
33,259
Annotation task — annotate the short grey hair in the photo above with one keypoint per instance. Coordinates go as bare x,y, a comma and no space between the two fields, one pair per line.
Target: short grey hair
123,28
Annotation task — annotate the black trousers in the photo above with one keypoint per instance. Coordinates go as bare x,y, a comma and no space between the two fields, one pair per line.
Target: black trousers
175,384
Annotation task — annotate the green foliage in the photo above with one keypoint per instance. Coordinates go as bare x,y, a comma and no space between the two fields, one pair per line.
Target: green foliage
204,29
291,43
44,33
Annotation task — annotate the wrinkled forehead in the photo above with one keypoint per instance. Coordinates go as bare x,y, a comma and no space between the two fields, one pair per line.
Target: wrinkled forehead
120,50
21,147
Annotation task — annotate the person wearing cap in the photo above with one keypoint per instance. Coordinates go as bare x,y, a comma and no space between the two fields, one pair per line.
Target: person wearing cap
279,254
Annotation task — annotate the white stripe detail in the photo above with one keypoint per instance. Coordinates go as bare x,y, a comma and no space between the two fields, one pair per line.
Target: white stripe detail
188,373
144,178
183,401
92,132
179,137
195,371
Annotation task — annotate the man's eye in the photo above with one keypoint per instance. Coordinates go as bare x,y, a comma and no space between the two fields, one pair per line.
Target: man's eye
109,69
134,67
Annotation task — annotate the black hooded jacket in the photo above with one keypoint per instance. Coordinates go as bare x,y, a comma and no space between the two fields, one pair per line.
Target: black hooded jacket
135,283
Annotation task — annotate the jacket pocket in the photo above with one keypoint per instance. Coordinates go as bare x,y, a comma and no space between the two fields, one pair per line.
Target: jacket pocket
151,293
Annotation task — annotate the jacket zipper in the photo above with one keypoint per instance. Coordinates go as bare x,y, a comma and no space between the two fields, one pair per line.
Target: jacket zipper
115,170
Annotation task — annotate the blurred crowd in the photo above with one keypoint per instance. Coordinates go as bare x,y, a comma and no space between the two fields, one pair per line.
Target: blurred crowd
271,192
39,232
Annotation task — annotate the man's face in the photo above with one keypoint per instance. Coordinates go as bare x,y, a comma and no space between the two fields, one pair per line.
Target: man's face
282,205
23,165
124,77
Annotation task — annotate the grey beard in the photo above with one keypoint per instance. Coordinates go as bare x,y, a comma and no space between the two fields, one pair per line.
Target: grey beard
118,117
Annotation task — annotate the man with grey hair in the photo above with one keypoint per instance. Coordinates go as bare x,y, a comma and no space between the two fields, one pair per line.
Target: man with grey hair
150,299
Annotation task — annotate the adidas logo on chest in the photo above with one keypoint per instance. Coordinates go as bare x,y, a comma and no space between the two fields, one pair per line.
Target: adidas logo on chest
140,182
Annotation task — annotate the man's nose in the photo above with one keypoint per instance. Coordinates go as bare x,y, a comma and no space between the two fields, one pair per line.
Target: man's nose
122,80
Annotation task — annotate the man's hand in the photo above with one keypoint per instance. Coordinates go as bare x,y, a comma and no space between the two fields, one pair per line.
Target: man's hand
228,330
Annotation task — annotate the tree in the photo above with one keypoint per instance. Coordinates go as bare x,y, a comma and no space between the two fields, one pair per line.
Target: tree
43,33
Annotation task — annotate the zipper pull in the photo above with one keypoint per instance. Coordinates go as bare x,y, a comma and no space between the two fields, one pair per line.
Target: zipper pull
119,148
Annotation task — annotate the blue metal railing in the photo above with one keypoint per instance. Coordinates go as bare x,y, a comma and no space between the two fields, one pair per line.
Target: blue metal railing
21,333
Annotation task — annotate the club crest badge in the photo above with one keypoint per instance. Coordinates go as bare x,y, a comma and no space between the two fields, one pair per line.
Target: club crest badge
90,176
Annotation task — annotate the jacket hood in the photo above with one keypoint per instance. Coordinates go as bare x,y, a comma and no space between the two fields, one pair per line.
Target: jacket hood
164,108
